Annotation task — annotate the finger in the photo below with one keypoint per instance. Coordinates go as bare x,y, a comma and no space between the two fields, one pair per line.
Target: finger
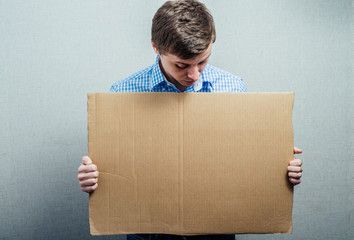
294,169
294,181
88,182
90,188
296,162
297,150
85,176
86,160
296,175
87,168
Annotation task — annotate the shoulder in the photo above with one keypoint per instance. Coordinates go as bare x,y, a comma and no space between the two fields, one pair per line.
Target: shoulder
137,82
223,81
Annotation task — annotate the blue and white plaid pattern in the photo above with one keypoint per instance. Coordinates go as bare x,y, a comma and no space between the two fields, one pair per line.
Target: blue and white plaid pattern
151,79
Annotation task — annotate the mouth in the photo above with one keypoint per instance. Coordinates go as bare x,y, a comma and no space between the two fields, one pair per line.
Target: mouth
190,81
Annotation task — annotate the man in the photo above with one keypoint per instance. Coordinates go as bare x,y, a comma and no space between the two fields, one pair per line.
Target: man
182,36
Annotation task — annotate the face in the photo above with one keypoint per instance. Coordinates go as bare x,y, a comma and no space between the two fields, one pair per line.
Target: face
183,72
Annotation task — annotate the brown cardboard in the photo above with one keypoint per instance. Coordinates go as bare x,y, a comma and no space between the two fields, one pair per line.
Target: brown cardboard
191,163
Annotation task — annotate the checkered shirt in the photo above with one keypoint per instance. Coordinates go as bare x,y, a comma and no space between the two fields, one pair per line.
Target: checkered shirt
151,79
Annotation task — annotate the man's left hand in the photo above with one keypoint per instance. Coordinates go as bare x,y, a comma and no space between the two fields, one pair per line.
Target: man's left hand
295,169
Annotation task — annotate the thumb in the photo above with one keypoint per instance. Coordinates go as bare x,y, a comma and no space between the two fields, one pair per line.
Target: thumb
86,160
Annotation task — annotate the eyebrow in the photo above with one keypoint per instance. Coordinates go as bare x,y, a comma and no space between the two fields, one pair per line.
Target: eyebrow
186,64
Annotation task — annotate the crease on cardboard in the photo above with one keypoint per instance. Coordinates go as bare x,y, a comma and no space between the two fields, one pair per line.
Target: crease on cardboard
180,160
135,172
165,224
109,207
119,175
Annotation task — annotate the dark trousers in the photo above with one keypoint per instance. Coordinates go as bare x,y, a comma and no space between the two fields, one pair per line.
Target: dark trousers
178,237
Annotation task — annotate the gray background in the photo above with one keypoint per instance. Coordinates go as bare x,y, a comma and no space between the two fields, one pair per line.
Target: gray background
54,52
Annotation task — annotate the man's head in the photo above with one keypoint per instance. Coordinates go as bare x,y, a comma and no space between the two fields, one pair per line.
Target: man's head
182,33
184,28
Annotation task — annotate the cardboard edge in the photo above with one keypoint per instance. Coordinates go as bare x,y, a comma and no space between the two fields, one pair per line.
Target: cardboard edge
292,100
91,121
290,231
91,118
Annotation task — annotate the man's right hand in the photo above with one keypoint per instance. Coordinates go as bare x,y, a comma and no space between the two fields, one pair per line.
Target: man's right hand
87,175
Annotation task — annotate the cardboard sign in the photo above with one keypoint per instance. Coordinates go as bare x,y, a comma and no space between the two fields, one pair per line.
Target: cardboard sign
191,163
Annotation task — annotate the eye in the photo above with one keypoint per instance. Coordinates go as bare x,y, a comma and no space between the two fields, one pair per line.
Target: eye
201,63
180,66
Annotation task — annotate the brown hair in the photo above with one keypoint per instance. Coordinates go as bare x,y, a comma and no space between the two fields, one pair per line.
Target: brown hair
184,28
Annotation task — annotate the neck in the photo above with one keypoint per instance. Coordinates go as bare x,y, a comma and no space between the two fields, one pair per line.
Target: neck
171,80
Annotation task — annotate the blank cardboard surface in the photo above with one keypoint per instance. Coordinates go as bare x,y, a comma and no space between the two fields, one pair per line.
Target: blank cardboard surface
186,163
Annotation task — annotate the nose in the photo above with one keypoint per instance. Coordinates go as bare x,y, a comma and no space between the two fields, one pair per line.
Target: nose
194,73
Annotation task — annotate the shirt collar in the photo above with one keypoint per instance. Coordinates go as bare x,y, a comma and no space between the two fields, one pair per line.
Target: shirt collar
206,77
158,77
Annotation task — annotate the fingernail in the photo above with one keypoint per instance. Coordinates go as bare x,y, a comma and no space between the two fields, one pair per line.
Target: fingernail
87,161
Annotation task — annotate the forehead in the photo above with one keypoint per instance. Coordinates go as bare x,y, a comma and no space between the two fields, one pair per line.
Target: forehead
201,57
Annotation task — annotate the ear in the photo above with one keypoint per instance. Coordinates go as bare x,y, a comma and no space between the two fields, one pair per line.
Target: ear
154,47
